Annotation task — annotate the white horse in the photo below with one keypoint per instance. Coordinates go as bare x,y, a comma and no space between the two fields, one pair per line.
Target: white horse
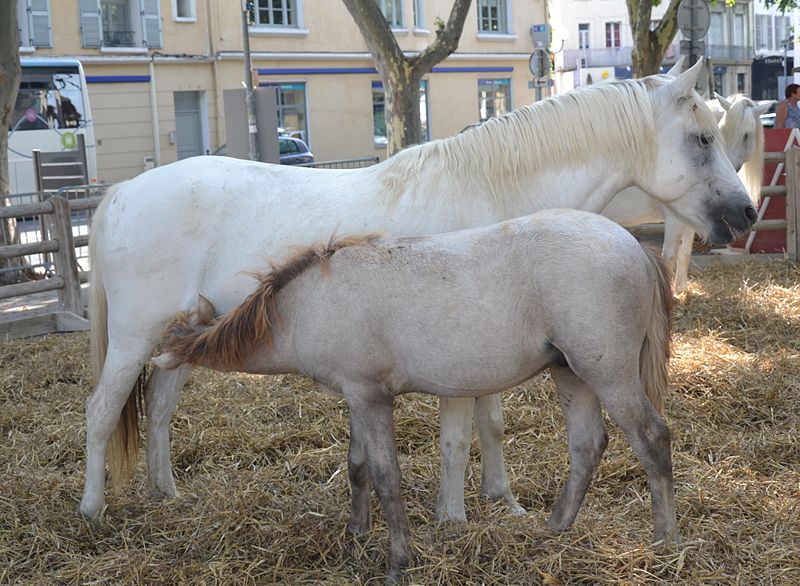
468,313
200,224
744,143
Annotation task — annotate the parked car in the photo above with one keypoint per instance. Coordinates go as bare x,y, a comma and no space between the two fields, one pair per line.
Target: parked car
294,151
768,118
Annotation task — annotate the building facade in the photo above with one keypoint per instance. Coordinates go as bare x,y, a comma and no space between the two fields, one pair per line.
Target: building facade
157,69
774,52
594,42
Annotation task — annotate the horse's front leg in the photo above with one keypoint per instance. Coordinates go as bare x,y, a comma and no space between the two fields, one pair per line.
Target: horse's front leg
163,391
494,479
673,230
587,439
684,258
455,437
371,418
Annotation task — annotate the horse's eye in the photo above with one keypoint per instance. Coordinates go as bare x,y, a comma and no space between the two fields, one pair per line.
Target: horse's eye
746,137
705,140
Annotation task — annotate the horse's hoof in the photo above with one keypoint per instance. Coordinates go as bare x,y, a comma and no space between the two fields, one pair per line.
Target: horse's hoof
516,509
358,528
455,517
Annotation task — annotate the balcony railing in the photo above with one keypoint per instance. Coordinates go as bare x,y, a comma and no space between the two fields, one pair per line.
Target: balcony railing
729,53
609,57
118,38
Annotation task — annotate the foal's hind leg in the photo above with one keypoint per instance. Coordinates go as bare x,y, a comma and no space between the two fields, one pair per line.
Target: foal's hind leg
494,479
163,391
103,407
587,439
650,439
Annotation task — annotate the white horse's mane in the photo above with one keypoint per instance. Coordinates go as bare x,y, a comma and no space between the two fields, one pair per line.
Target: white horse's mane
739,120
615,117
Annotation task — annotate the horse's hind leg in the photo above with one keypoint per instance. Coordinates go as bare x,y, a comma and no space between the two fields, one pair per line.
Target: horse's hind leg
103,407
494,479
163,391
587,439
649,437
455,437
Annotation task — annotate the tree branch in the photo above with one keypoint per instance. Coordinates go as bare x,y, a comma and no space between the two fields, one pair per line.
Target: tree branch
376,31
446,41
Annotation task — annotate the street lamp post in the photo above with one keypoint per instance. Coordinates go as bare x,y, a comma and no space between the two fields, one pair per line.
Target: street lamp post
250,102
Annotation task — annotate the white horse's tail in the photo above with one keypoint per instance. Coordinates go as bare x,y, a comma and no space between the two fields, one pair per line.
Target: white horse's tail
657,345
123,446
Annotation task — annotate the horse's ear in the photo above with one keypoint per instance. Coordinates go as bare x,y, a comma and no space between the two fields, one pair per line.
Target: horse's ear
677,69
205,311
726,105
760,109
685,82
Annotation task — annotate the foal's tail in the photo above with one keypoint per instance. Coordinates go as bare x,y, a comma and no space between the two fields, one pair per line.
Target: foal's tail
655,353
124,446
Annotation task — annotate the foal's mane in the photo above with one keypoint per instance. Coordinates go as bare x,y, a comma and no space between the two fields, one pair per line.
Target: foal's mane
737,121
228,341
615,117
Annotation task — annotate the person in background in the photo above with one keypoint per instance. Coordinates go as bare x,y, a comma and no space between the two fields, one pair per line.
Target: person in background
787,114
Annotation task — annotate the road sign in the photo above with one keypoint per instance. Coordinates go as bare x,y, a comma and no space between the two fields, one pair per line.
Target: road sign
694,18
541,35
539,63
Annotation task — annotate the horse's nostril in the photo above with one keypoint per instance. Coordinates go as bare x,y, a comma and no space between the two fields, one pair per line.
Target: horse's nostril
751,214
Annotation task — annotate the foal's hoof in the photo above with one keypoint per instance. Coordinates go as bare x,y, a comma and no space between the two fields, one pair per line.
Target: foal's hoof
516,509
443,514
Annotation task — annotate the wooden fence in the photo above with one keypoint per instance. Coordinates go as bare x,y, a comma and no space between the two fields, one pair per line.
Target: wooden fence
65,278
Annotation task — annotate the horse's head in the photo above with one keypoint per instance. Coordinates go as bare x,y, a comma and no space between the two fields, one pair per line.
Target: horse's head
741,128
692,174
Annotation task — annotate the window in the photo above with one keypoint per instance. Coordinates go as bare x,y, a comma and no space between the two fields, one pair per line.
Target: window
419,14
393,11
493,16
183,9
292,116
762,23
33,18
716,31
121,23
612,34
48,99
741,81
719,82
738,30
274,13
379,112
583,36
117,23
494,97
770,33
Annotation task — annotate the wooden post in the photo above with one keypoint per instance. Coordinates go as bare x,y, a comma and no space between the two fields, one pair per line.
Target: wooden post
792,203
66,264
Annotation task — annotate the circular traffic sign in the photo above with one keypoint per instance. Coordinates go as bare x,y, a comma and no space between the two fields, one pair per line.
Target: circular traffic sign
694,18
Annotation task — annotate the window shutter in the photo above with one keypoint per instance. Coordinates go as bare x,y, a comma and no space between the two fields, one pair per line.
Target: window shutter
91,28
39,23
151,23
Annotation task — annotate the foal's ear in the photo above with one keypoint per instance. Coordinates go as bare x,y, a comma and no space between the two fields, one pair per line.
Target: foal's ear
683,85
726,105
205,311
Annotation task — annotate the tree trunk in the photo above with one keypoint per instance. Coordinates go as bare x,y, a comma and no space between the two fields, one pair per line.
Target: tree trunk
649,47
9,85
401,75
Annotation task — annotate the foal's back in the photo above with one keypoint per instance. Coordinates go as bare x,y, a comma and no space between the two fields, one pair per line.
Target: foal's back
477,310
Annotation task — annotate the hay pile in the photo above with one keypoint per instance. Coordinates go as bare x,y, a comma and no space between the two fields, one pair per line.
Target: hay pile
261,466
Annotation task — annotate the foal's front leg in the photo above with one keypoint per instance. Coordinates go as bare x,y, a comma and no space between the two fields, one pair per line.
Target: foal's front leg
371,418
358,474
455,437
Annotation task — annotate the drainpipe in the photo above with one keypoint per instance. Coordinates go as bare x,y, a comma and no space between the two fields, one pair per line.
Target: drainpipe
154,111
211,17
